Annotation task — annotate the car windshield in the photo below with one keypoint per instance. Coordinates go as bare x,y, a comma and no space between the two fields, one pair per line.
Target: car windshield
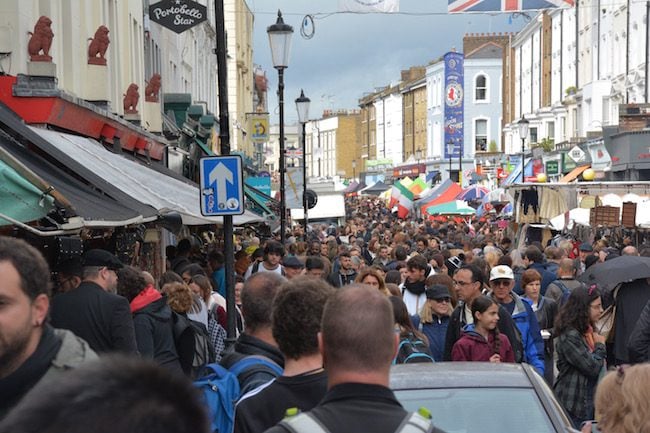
485,410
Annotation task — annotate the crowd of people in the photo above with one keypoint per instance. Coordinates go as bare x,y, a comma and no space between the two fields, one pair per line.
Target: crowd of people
329,312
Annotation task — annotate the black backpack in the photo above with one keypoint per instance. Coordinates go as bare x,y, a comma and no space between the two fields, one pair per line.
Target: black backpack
202,352
411,349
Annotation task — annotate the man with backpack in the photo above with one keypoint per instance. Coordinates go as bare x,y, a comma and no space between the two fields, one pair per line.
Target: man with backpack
560,289
257,338
273,254
304,382
358,342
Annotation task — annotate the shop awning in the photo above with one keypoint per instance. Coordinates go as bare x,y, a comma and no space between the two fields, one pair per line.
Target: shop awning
19,199
164,193
573,174
96,208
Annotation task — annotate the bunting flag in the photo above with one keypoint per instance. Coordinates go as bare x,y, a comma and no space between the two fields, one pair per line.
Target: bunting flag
405,204
394,196
418,186
458,6
368,6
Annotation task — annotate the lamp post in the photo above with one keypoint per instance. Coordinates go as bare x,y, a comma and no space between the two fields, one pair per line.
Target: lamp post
280,41
450,150
354,169
460,162
302,106
523,133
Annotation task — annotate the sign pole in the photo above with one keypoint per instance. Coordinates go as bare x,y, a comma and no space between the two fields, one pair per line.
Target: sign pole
224,136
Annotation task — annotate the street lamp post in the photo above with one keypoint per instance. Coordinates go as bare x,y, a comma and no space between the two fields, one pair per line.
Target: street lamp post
460,163
354,169
302,106
523,133
280,41
450,150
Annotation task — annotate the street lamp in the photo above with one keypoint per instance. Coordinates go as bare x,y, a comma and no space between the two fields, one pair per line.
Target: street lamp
302,106
280,41
523,133
354,169
450,150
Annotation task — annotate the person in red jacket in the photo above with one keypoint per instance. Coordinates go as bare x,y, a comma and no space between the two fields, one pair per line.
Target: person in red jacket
482,341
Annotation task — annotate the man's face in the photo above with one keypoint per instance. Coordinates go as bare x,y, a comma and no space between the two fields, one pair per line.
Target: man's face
110,279
273,259
315,248
20,320
501,288
292,272
317,273
464,286
421,246
323,249
404,272
383,253
416,274
433,244
67,282
346,262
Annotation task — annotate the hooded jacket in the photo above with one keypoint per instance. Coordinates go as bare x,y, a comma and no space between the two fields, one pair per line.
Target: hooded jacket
472,346
531,337
152,318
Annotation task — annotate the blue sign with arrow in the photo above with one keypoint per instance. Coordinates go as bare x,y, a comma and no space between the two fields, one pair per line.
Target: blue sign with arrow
222,185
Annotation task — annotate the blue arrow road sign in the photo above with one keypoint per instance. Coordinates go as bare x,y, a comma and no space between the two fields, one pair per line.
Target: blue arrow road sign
222,185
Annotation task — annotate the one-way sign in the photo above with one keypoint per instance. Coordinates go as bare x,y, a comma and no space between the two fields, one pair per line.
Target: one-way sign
222,185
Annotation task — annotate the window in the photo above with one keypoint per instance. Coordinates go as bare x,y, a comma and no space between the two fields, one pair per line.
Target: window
480,135
550,130
481,88
532,135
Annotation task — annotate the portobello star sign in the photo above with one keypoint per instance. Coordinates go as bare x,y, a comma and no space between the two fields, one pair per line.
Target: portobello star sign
178,15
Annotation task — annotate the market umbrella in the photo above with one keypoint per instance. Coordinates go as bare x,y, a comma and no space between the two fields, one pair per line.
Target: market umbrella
611,273
456,207
473,193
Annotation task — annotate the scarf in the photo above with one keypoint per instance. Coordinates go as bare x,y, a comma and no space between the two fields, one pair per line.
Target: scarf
589,338
144,298
416,288
18,383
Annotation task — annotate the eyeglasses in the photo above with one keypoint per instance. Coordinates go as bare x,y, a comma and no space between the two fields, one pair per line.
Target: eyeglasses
463,283
500,282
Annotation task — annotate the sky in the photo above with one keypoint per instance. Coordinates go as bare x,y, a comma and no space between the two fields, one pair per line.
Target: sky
352,54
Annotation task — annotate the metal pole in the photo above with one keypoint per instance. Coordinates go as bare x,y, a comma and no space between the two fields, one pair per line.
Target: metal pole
304,175
460,163
224,136
283,200
647,50
450,166
523,141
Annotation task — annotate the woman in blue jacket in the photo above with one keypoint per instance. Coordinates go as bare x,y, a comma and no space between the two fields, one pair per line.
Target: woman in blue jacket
434,318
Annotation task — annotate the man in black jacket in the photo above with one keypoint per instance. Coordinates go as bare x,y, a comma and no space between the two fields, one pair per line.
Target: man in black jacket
358,343
468,283
92,311
345,274
257,339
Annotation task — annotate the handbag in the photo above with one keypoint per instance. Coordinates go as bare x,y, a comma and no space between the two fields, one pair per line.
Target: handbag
605,322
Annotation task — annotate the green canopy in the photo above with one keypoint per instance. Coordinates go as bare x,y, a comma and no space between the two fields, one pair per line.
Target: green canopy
455,207
19,199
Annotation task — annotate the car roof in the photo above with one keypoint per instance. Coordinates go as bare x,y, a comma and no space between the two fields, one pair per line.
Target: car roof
459,375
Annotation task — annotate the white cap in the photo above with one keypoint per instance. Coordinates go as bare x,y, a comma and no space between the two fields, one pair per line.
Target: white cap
501,272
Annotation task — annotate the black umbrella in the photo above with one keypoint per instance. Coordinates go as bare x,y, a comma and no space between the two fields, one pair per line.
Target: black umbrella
611,273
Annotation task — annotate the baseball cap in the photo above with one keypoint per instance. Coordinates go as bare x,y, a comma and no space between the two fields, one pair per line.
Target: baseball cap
292,262
437,291
101,258
586,247
501,272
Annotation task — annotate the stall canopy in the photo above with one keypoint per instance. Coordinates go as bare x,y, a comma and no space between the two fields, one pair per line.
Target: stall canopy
455,207
443,193
375,189
573,174
19,199
351,187
164,193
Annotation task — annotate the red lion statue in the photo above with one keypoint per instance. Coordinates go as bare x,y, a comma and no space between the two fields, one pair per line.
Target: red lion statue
98,46
131,99
41,40
152,89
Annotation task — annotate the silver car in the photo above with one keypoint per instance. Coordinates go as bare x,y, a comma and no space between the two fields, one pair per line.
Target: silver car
469,397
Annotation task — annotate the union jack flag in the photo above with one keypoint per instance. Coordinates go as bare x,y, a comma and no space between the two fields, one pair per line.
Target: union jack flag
457,6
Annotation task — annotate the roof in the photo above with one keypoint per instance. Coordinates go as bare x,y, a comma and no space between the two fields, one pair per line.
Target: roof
489,50
458,375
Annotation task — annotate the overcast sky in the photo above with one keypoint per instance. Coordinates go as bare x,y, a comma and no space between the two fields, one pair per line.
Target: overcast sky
352,54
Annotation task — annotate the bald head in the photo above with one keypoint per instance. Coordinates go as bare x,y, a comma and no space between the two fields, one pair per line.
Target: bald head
357,330
630,250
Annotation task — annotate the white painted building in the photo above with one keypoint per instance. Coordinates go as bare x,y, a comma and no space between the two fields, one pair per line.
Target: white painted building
435,77
389,117
272,147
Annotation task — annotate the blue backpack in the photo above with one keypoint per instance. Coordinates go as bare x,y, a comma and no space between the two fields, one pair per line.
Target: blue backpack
411,349
220,389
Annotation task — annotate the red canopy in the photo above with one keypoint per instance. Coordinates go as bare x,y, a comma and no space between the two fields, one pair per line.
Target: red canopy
447,196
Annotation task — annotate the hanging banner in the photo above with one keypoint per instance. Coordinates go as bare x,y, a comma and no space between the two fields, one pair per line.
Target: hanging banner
293,187
459,6
259,127
368,5
454,104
